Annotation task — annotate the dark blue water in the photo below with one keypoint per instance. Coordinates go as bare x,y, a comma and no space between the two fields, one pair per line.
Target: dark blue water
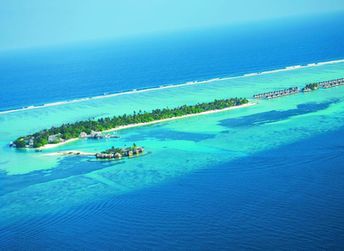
39,76
261,202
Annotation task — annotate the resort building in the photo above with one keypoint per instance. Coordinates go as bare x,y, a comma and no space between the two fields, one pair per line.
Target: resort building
83,135
31,142
96,135
118,155
54,138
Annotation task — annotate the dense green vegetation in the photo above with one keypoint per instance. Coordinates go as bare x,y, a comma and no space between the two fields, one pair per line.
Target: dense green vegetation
73,130
114,150
311,87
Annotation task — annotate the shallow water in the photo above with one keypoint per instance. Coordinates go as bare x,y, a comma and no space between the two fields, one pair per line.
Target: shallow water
265,176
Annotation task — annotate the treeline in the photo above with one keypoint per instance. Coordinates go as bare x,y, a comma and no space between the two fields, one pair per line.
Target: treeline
312,86
73,130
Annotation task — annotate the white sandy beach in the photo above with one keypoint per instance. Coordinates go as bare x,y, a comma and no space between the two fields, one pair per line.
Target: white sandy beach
47,146
151,123
180,117
70,152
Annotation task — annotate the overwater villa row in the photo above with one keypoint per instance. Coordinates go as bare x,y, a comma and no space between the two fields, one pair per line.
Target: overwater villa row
332,83
294,90
324,84
277,94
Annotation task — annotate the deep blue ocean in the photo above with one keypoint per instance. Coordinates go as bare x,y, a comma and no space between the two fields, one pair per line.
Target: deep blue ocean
288,198
41,76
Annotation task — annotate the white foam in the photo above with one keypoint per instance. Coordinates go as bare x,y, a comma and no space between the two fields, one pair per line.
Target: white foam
105,95
251,74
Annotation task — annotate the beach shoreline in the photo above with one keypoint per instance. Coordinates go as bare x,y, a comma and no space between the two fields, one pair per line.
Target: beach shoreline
70,153
48,146
180,117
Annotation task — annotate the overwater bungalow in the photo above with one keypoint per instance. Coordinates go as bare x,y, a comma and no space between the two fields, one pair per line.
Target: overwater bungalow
332,83
293,90
118,153
104,156
118,156
277,94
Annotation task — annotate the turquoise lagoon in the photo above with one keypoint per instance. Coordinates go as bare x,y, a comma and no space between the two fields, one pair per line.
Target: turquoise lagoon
36,185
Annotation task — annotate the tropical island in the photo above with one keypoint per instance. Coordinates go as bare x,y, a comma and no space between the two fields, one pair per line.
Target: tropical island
118,153
111,153
81,129
94,128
